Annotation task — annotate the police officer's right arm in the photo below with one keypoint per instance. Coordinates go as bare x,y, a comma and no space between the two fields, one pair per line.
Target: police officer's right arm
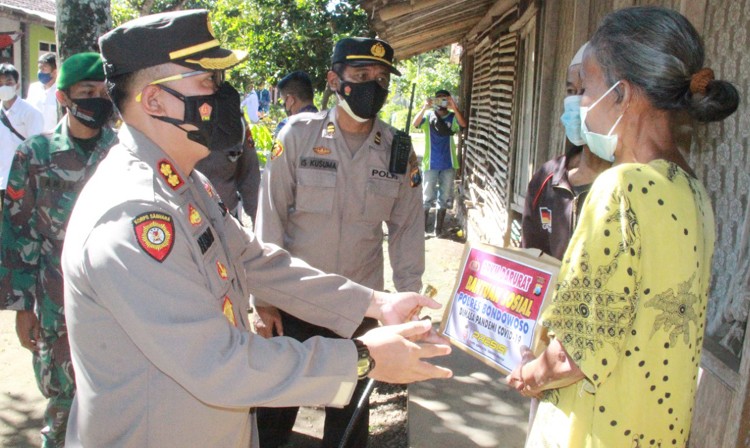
275,198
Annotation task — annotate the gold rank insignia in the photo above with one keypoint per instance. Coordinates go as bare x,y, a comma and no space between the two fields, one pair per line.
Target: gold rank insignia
330,129
377,138
194,216
154,232
205,111
278,149
228,311
321,150
209,189
378,50
221,269
170,175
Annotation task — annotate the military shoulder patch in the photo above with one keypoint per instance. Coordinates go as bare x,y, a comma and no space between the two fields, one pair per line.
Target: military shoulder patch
154,232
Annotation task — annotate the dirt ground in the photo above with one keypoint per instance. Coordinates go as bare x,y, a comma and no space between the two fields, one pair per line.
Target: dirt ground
22,405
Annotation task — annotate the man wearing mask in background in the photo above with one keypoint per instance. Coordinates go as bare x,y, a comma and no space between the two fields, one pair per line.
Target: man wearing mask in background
47,174
296,93
43,93
18,121
325,195
557,190
235,173
440,161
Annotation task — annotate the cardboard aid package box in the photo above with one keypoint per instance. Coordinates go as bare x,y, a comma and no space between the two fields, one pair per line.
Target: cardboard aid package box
497,302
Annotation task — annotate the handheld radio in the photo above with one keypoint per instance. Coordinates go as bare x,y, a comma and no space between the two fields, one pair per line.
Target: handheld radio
401,144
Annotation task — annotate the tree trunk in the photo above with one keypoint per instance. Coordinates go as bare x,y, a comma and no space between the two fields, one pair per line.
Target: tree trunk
79,25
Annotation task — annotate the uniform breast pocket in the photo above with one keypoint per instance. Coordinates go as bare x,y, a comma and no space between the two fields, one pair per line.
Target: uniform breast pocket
381,195
316,190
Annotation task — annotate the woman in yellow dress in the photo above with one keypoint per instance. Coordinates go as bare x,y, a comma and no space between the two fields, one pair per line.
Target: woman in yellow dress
627,319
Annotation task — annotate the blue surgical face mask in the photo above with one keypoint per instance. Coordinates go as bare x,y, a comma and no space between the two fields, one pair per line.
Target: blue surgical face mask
602,146
571,119
44,78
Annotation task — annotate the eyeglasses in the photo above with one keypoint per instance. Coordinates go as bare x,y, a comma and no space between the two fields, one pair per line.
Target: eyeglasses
217,76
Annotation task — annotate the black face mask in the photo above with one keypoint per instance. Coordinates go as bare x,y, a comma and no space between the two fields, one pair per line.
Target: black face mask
365,99
218,117
91,112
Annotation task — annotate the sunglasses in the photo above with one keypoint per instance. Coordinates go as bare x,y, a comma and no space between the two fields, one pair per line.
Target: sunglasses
217,76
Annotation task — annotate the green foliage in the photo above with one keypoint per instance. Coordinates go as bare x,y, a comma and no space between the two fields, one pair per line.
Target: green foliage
124,10
263,138
282,36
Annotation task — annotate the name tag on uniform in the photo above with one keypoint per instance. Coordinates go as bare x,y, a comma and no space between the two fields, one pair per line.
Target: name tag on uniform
318,164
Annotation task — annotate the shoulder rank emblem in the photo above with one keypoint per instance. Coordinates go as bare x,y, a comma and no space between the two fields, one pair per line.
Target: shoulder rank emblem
377,138
155,234
209,189
330,129
228,311
278,149
194,216
170,174
321,150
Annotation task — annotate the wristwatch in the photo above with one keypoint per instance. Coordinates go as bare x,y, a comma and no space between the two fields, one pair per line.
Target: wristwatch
365,363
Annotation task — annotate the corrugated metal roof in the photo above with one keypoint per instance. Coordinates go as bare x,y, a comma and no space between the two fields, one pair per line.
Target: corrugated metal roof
44,10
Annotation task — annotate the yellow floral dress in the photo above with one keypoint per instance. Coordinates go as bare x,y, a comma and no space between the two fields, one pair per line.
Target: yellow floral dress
630,310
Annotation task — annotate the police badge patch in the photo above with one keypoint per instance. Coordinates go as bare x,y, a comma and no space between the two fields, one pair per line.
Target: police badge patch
154,232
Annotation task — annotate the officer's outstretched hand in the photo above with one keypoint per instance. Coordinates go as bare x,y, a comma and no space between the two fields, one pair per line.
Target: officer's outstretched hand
400,360
397,308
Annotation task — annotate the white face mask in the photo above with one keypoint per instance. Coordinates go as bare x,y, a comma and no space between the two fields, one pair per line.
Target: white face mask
602,146
7,93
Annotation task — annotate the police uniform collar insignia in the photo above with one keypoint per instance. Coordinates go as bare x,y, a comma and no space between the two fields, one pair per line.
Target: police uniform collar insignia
170,175
377,138
321,150
194,216
221,269
330,129
228,311
278,149
154,232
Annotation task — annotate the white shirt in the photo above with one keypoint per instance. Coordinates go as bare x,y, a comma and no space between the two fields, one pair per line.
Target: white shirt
45,101
27,121
250,106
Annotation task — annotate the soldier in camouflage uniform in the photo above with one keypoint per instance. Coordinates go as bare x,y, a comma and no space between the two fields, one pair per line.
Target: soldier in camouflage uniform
45,179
